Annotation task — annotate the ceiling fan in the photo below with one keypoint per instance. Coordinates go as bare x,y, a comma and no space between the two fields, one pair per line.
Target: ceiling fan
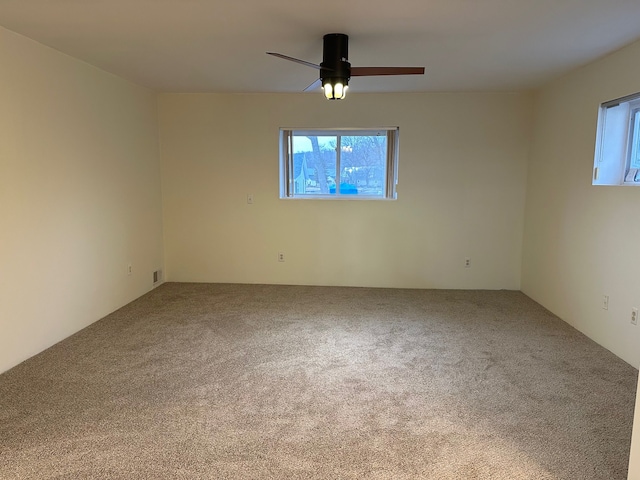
335,69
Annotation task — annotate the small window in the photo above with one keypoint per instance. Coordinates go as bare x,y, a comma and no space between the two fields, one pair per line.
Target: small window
617,158
338,163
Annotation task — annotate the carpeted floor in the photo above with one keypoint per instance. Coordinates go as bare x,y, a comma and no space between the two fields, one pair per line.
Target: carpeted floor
289,382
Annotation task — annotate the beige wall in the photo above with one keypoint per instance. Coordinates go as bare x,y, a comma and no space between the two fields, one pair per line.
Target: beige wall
461,192
79,195
580,240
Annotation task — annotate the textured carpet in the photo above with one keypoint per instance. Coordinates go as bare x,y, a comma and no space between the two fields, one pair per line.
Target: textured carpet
288,382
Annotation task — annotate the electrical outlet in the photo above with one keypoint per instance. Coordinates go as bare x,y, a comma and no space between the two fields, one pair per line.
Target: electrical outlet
250,198
467,262
634,316
129,269
605,302
281,256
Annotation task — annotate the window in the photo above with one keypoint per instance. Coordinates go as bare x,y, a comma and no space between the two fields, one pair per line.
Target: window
341,163
617,158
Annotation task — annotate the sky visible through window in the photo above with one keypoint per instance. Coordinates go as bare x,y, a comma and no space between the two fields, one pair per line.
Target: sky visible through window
303,144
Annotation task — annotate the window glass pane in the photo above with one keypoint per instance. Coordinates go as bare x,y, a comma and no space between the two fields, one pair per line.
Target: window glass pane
314,164
635,142
338,163
363,164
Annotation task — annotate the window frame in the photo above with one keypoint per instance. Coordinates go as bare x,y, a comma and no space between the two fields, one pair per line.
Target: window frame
286,179
615,168
633,141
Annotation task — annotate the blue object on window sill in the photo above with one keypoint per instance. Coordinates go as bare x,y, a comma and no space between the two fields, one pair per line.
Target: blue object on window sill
345,189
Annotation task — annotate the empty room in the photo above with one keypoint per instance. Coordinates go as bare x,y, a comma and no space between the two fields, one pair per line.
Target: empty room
319,241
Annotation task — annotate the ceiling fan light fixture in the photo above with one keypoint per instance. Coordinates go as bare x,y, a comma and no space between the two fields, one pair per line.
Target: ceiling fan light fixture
335,88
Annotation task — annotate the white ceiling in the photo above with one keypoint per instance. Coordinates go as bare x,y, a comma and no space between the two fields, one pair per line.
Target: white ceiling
219,46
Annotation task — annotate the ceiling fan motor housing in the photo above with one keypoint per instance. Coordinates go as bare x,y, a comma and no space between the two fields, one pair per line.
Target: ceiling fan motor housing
335,54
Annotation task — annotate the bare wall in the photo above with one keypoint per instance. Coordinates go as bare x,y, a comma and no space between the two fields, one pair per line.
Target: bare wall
79,195
461,193
580,240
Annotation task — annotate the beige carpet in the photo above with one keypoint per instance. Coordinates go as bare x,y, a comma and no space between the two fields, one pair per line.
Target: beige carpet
256,382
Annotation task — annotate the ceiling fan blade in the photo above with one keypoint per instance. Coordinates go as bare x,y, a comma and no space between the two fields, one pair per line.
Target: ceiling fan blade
314,86
291,59
372,71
